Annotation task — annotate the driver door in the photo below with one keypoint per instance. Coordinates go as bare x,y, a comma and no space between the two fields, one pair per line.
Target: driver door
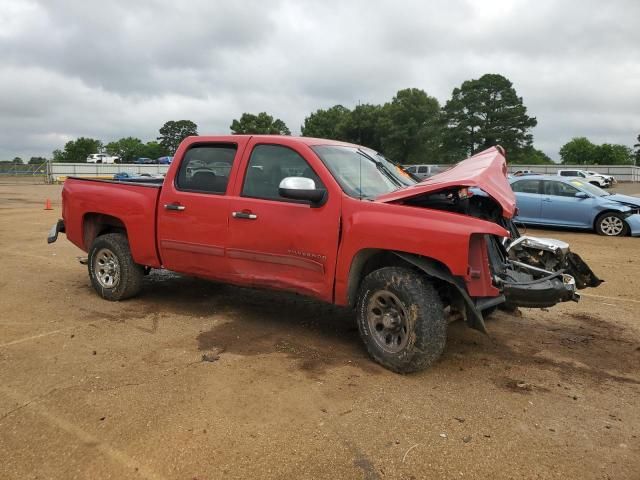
276,242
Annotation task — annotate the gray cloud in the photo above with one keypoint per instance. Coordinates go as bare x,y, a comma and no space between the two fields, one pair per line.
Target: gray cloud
110,69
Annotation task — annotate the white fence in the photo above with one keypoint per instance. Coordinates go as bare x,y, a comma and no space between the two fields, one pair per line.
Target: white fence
59,171
622,173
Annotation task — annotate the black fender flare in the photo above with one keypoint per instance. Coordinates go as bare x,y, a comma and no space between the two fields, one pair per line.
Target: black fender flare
473,315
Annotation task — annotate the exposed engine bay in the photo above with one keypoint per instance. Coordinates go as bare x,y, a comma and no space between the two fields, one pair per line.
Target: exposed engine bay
531,272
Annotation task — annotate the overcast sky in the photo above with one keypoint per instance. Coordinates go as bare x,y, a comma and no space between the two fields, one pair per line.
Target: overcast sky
108,69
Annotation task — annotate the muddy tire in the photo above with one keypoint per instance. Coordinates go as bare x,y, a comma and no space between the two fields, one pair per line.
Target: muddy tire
113,273
611,224
401,319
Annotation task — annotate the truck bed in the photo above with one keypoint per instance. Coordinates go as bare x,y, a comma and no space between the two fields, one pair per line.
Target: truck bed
129,205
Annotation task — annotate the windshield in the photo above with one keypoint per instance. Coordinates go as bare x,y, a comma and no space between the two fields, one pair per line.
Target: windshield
588,187
362,173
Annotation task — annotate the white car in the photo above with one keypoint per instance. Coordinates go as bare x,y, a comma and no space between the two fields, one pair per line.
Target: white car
597,180
102,158
610,178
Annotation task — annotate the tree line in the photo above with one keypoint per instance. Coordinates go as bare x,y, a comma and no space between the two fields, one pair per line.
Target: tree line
410,128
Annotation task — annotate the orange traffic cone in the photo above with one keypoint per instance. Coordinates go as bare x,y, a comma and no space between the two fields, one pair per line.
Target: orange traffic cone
47,205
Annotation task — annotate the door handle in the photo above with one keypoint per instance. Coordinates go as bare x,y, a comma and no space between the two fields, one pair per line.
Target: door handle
546,200
174,206
244,215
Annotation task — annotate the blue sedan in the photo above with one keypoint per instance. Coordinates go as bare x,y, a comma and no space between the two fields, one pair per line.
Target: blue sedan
555,201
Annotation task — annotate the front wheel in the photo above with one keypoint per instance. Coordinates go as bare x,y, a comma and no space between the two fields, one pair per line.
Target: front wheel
401,319
113,273
611,224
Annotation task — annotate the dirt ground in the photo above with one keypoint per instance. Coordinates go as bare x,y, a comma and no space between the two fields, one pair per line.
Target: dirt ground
91,389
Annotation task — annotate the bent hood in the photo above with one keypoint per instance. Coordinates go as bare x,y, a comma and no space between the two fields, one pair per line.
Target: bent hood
486,170
624,199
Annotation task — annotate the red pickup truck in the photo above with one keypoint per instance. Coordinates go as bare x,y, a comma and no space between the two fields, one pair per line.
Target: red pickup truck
332,220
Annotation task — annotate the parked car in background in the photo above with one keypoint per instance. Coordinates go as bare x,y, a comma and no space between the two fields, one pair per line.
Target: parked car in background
164,160
597,180
423,171
551,200
609,178
138,178
144,161
102,158
519,173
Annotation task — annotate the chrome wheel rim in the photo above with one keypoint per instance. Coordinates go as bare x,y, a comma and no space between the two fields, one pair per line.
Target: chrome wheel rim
387,320
611,225
106,268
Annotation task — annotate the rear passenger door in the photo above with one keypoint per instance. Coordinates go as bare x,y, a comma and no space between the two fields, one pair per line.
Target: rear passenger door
529,200
193,211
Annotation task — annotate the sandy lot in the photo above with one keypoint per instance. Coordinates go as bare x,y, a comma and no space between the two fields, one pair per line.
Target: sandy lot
93,389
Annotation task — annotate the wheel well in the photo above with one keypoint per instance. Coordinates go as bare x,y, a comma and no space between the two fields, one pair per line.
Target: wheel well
370,259
595,221
96,224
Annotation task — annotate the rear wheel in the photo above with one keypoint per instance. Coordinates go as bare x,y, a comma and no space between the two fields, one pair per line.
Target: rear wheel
401,319
113,273
611,224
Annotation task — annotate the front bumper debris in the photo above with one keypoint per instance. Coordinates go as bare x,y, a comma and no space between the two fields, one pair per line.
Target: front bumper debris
542,292
549,255
538,272
55,230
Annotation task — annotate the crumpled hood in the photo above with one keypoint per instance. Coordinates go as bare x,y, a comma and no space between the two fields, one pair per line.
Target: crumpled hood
486,170
624,199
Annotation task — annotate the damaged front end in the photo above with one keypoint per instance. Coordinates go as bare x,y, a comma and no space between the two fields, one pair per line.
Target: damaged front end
551,255
526,271
537,272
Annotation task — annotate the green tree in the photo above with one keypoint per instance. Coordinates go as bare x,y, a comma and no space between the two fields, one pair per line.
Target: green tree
612,154
173,132
127,149
260,124
578,151
530,156
326,123
17,161
153,150
486,112
37,160
77,151
410,127
637,152
362,126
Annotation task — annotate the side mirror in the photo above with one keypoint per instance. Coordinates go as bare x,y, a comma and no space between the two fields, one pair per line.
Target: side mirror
302,188
582,195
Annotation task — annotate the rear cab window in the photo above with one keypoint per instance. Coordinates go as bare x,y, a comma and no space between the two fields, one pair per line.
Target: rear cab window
206,168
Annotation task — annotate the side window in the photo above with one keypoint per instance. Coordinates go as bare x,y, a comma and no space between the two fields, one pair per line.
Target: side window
423,169
411,169
526,186
560,189
206,168
268,165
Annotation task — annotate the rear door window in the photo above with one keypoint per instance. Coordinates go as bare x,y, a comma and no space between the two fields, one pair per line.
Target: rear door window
206,168
526,186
